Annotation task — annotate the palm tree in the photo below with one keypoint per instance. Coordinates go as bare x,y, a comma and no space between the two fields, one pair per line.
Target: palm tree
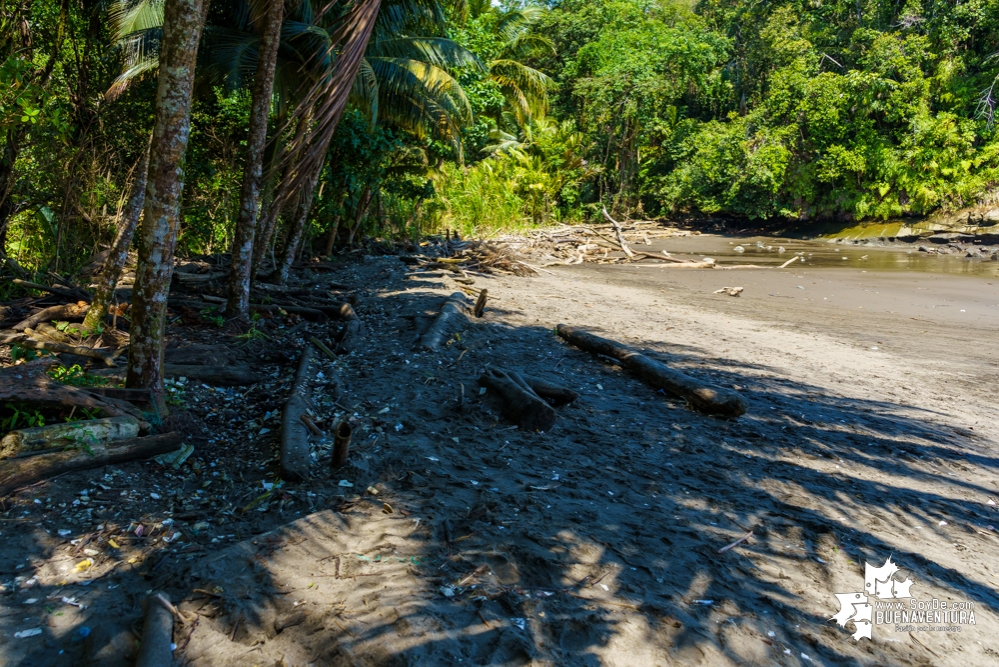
391,59
524,88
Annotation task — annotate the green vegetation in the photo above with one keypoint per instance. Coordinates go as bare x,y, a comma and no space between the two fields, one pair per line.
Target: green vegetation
481,117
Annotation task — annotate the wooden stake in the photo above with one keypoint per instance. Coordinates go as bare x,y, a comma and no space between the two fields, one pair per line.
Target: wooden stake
341,445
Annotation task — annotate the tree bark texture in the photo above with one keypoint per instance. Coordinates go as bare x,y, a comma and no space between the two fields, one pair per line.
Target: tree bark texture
701,396
182,24
249,196
107,280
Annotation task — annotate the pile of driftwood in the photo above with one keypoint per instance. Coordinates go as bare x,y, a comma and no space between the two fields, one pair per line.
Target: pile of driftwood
28,455
472,257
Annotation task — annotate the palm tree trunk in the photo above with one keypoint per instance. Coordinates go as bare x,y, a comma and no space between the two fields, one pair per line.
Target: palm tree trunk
297,229
115,261
182,24
246,225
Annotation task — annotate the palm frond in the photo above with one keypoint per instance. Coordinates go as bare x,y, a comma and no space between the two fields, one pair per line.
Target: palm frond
129,17
364,94
438,51
525,88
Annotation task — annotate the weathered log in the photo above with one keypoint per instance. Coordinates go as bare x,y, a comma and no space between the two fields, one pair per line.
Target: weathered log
701,396
155,650
555,394
220,376
106,355
74,293
294,432
520,403
136,396
352,328
68,434
449,318
341,445
15,473
49,332
29,384
684,265
69,311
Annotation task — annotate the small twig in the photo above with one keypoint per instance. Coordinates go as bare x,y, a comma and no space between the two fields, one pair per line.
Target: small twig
785,264
322,348
736,543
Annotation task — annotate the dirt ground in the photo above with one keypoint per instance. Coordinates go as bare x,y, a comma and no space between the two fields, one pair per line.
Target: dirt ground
871,433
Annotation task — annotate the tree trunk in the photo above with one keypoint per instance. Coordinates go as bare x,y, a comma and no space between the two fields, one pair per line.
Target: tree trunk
182,24
330,241
268,223
107,281
249,202
297,230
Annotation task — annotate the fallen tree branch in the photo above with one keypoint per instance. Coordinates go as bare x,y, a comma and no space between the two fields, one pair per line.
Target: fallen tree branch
69,311
620,234
703,397
107,355
15,473
75,294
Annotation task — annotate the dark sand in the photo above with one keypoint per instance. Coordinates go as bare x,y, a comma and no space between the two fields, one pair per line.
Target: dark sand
596,543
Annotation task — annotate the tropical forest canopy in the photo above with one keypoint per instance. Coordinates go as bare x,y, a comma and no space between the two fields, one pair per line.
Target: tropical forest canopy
479,116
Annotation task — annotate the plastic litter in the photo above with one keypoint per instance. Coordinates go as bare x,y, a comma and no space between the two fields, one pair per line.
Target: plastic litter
27,633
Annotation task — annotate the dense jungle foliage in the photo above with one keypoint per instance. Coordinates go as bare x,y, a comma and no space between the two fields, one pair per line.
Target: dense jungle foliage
482,117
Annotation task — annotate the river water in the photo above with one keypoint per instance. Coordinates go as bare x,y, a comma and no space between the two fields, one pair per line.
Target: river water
822,253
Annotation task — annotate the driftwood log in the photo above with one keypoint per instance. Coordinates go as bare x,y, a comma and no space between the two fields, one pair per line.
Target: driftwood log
68,434
294,432
107,355
450,317
15,473
155,649
135,396
70,311
29,384
701,396
520,403
352,328
620,235
553,393
220,376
